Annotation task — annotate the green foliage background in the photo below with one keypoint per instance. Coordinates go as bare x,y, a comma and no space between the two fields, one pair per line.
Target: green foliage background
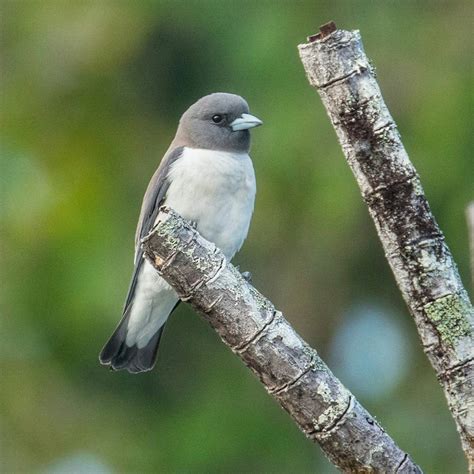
91,93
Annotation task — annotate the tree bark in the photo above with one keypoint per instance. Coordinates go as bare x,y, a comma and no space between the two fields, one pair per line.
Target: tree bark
288,368
336,65
470,234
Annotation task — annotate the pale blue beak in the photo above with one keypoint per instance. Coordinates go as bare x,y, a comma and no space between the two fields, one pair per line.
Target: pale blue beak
245,122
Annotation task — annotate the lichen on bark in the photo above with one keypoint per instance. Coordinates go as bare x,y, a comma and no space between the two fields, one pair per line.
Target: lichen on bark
450,315
337,66
291,371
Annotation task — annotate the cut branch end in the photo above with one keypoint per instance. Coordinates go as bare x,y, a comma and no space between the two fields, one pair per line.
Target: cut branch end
324,30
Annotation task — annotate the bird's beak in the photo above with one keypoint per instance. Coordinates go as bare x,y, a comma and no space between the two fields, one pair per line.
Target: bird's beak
245,122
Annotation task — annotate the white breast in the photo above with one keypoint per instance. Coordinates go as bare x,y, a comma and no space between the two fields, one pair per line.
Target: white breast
216,190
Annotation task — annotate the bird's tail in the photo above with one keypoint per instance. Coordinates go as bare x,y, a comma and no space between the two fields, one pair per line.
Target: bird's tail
118,355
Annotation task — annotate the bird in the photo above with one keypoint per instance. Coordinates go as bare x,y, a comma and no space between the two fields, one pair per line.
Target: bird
207,177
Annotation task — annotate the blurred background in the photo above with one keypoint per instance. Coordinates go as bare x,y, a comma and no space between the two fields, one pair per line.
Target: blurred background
90,97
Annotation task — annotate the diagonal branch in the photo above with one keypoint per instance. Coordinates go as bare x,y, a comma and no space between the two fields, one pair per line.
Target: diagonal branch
288,368
336,65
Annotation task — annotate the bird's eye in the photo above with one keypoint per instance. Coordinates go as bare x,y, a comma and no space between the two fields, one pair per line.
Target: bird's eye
217,118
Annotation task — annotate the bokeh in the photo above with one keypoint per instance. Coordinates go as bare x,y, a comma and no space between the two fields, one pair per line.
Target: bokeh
91,92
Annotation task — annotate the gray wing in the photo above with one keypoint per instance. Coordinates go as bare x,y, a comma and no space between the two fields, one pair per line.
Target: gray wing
154,198
116,353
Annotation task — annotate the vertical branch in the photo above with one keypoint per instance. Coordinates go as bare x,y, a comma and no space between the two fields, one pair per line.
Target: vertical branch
470,233
337,66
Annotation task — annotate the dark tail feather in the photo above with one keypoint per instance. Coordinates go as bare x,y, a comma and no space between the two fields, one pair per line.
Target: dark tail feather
119,356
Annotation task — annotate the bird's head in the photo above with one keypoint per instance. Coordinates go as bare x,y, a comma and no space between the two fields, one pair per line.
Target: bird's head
218,121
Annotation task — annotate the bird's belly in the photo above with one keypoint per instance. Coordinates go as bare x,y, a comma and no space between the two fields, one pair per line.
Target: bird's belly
226,225
217,194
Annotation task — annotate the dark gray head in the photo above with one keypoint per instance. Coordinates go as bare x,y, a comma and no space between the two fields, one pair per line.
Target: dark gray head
217,121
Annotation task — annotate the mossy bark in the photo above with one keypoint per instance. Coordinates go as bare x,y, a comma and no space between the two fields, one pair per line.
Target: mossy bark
257,332
337,66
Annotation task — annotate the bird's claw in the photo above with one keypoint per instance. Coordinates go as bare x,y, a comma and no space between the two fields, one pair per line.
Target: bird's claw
247,276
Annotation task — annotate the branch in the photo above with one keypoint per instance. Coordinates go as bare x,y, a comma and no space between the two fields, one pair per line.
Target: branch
288,368
470,233
336,65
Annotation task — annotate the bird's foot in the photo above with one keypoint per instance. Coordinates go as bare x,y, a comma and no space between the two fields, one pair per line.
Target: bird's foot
247,277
